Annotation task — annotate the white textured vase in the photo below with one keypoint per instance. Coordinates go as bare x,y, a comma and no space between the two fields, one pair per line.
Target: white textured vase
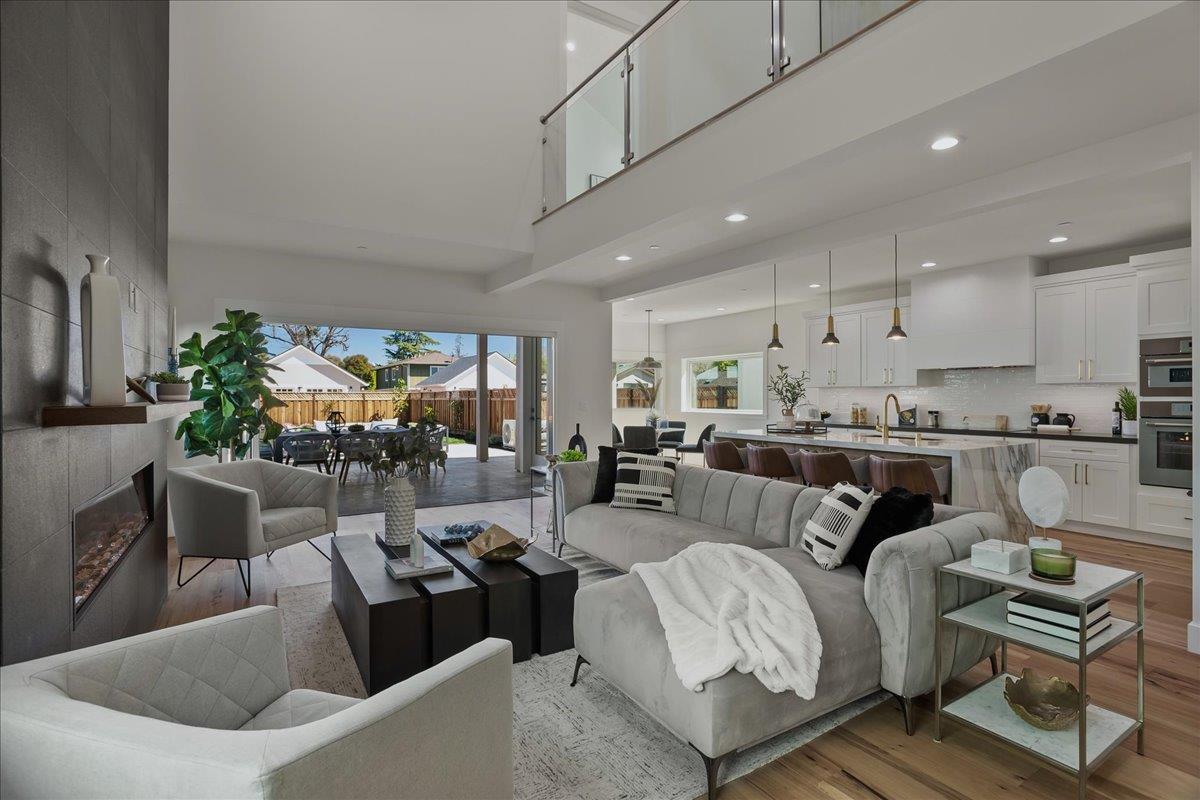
399,512
1129,427
103,344
789,420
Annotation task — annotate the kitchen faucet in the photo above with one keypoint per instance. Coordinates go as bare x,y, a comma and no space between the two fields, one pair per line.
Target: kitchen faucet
883,426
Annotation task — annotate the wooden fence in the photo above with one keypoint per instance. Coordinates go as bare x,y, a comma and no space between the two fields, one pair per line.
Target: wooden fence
456,409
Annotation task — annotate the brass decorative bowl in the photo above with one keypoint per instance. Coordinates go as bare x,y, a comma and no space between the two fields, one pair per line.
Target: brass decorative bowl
509,552
1046,702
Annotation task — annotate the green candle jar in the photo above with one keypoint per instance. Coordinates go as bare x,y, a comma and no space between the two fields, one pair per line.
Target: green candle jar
1052,563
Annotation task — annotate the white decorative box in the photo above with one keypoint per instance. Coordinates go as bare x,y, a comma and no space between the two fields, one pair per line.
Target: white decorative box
997,555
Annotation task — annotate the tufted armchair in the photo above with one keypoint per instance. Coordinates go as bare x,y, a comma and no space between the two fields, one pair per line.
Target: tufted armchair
207,709
243,509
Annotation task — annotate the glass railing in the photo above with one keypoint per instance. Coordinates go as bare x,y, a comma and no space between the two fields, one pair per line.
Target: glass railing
693,61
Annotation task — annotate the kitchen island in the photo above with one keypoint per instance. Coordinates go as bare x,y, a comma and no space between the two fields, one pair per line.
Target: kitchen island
983,472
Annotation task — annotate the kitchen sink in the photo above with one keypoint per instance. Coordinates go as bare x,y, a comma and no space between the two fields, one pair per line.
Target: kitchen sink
909,436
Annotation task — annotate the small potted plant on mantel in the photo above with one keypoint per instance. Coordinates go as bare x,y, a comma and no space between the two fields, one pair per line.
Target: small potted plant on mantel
788,389
170,387
1128,402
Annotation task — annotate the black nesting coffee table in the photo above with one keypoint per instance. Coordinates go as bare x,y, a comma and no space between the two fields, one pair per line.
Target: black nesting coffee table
398,628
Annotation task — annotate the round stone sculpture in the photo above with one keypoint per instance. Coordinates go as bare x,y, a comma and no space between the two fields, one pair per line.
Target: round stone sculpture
1044,497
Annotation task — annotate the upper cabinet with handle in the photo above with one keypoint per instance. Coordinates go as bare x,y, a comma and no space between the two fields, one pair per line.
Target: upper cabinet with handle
1085,327
1164,297
864,356
885,362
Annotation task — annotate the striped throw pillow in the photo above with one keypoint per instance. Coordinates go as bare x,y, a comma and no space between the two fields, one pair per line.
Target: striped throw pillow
830,531
645,482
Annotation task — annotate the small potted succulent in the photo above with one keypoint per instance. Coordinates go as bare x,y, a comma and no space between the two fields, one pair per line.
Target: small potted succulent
1128,402
788,389
170,387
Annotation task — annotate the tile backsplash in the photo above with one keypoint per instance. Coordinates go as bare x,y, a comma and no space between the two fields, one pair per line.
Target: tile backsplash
980,394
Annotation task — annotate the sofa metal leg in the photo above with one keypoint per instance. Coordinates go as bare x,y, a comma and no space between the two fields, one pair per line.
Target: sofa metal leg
712,766
995,664
579,662
179,572
245,578
910,714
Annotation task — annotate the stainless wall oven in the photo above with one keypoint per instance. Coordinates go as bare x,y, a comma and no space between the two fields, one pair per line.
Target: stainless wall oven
1166,367
1165,443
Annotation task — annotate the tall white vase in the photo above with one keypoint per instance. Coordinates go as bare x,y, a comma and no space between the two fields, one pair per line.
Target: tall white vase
399,512
103,344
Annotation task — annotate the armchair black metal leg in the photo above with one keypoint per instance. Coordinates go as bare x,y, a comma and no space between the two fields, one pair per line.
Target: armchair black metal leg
579,662
712,766
179,572
269,554
560,547
319,550
995,664
245,578
910,714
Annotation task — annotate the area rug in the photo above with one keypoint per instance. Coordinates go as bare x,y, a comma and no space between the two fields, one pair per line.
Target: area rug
589,742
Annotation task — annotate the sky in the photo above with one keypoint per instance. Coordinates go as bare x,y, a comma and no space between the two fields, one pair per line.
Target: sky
369,342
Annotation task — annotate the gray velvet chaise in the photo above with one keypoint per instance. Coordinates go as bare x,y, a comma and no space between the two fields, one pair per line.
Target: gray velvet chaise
876,631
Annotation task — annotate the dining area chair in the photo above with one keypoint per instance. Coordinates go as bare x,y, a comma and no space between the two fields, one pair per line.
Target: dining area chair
359,448
642,438
670,435
301,449
698,447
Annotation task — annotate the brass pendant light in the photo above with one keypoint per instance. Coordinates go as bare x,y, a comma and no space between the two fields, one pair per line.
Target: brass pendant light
775,344
649,362
896,333
830,336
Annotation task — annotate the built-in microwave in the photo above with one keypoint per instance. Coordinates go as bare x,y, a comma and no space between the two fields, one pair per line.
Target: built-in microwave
1166,367
1165,443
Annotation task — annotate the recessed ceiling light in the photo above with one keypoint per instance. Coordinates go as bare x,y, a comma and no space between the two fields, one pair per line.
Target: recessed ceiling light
928,264
1057,239
720,308
624,258
570,47
944,143
814,286
1063,224
654,247
362,247
737,216
660,319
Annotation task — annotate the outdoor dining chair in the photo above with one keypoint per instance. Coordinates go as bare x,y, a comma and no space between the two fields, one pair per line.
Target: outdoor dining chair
357,447
300,449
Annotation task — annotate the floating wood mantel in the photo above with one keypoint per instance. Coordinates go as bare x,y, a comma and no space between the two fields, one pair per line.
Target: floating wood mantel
128,414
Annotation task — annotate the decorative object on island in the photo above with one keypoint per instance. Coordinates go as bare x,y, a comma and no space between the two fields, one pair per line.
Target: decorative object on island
788,389
170,388
896,333
497,544
1129,411
103,341
1046,501
1049,702
649,362
998,555
399,512
775,344
830,337
1052,566
231,377
577,442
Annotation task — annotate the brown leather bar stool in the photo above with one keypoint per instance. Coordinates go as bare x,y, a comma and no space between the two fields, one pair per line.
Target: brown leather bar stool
826,469
772,462
723,455
913,474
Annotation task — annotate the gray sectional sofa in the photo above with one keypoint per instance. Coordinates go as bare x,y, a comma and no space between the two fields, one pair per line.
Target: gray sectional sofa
876,630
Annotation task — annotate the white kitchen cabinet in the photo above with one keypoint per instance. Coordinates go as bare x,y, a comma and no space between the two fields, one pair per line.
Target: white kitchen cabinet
1105,493
820,356
1085,328
847,356
1097,475
1068,469
1164,306
1166,511
885,362
903,372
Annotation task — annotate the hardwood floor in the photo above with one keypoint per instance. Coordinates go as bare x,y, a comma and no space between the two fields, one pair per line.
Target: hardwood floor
870,756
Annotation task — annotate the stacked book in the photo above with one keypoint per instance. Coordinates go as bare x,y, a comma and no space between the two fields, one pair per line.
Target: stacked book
1056,617
405,567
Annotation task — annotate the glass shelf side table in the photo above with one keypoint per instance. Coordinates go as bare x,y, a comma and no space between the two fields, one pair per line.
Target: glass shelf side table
1079,749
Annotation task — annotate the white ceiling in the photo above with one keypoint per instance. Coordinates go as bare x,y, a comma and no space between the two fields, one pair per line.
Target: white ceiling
408,129
1104,214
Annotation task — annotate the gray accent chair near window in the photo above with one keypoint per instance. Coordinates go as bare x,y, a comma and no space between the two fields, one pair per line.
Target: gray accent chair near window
243,509
207,709
877,630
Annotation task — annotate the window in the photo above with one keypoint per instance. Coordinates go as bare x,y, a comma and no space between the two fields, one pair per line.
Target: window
634,387
729,384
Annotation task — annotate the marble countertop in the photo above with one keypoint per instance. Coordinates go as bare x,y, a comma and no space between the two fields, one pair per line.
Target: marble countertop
1018,433
899,442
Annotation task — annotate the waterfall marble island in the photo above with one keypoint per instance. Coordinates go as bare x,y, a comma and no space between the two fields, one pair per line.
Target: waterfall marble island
984,472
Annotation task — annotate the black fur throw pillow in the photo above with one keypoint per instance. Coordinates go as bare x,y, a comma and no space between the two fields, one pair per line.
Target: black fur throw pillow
896,511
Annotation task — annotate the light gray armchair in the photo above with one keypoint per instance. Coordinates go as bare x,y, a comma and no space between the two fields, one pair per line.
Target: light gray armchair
143,717
243,509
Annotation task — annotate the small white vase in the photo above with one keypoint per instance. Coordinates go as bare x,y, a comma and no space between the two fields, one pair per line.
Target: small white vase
1129,427
103,344
399,512
789,419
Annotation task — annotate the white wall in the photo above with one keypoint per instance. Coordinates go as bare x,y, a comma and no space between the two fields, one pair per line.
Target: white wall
204,280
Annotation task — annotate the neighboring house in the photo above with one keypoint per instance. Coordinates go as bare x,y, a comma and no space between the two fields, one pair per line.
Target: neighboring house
302,370
411,370
502,374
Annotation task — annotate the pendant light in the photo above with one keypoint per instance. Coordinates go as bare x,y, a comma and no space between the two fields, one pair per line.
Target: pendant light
896,333
830,336
775,344
649,362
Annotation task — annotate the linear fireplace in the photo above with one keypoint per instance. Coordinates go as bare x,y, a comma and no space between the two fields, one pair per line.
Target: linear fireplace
105,527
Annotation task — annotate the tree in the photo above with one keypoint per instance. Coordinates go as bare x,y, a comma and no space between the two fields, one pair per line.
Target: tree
458,346
337,362
400,345
318,338
360,366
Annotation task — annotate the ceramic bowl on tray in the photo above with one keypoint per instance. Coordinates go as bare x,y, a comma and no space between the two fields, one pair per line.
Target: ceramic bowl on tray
1045,702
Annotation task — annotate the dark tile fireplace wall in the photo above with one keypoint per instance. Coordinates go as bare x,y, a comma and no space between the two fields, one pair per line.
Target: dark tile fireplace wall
83,153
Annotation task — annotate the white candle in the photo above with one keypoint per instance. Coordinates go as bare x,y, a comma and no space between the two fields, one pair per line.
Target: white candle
171,327
416,551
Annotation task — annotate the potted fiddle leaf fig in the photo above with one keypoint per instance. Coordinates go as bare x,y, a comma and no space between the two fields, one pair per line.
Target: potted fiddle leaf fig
788,389
231,378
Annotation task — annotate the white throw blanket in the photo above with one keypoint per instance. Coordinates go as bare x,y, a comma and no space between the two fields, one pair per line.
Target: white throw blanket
727,606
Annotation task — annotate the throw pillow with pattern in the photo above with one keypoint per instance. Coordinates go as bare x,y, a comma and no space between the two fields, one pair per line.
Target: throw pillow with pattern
644,481
831,530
